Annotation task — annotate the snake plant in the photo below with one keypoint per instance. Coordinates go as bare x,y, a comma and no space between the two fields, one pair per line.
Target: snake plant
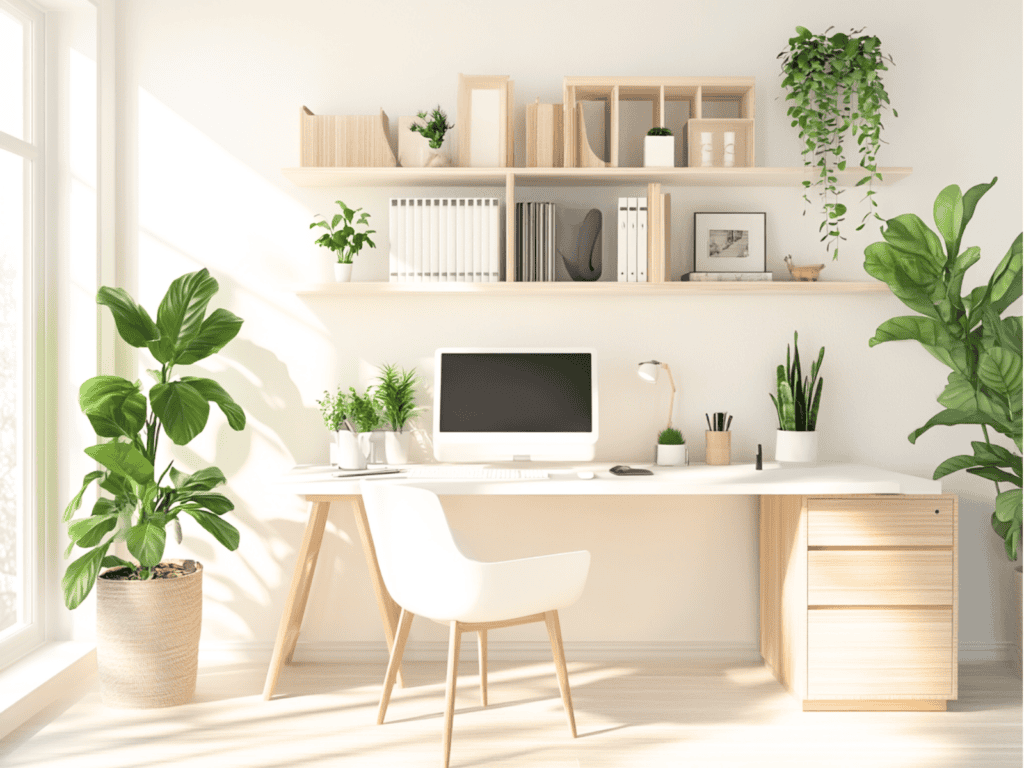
798,396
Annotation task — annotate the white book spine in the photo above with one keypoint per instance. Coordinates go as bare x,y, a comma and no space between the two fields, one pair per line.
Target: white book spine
485,240
631,241
393,239
623,223
407,245
641,240
477,240
495,248
442,240
416,265
450,267
552,231
460,241
435,240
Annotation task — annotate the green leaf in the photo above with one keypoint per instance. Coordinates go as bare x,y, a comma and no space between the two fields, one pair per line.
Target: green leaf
949,418
181,313
202,480
123,459
215,393
116,407
112,561
181,409
993,474
932,335
217,503
1008,506
990,453
970,202
222,530
954,464
949,212
216,331
81,575
89,532
76,502
146,542
133,323
1000,370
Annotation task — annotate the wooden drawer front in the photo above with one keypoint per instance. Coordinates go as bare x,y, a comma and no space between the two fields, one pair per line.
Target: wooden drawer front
880,653
880,577
896,522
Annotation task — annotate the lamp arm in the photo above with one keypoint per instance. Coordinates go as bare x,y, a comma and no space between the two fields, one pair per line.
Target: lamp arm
672,402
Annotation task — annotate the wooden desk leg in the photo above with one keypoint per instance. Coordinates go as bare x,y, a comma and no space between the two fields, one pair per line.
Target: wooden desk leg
389,609
298,594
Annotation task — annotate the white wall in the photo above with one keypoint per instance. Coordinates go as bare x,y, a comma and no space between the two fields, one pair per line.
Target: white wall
220,85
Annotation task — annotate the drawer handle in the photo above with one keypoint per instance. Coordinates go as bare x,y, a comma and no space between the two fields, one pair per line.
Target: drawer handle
936,511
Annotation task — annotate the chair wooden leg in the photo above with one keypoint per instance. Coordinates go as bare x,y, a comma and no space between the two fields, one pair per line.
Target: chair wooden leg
394,663
481,641
555,635
454,642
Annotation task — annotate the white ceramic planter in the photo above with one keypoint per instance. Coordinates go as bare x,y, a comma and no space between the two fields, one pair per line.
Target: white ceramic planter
659,151
671,455
351,449
396,447
796,447
342,273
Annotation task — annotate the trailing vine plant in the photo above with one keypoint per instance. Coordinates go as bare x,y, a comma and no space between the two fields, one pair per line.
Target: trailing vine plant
835,86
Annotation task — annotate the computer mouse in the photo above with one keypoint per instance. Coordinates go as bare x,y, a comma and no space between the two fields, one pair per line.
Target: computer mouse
585,475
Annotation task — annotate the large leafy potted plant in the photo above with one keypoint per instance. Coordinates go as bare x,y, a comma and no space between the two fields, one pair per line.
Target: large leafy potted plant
148,612
396,392
966,333
834,84
799,398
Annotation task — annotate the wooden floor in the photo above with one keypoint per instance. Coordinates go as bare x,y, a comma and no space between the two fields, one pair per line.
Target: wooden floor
686,714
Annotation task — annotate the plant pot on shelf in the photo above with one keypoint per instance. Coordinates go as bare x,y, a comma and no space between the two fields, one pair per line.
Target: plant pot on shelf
671,455
659,151
396,447
147,639
796,447
342,272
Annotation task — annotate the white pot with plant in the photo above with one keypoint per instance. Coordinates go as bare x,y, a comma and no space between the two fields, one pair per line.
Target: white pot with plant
659,148
671,450
797,407
149,612
433,130
343,238
396,392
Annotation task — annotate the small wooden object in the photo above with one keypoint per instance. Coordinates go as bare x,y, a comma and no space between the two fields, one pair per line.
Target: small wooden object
345,141
719,447
544,135
808,273
489,143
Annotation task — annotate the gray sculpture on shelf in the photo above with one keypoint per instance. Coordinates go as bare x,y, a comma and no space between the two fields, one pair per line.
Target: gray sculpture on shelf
580,243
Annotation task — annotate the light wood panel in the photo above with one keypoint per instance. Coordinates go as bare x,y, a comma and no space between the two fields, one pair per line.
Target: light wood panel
885,577
876,705
544,135
345,140
880,521
880,654
598,288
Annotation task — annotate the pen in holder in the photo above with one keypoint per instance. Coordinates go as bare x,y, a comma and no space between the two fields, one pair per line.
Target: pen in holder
718,447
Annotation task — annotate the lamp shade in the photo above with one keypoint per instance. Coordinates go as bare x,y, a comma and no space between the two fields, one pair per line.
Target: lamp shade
649,371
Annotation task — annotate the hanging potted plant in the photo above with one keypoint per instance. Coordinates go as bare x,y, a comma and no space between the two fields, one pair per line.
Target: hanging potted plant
659,148
344,240
433,130
836,89
396,392
148,612
796,404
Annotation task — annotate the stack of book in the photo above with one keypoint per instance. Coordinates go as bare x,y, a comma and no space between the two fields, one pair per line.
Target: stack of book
644,238
535,242
444,239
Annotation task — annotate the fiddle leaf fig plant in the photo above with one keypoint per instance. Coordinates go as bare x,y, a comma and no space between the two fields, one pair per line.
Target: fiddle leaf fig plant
967,333
139,505
834,84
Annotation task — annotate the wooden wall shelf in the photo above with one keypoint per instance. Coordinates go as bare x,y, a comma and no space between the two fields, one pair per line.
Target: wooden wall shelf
572,177
600,288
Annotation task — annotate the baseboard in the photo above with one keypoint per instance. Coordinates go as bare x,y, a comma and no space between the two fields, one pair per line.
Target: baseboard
40,679
978,651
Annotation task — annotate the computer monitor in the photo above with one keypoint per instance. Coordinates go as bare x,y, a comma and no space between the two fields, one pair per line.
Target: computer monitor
515,404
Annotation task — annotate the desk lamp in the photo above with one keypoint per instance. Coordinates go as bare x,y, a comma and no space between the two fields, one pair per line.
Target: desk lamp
649,372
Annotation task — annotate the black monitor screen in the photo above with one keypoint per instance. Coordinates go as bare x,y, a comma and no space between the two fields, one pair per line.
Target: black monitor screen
515,392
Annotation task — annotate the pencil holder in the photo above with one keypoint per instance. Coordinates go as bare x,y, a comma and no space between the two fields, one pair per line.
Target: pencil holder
719,447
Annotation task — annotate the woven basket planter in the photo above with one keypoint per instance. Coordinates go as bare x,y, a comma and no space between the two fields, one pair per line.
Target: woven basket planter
147,640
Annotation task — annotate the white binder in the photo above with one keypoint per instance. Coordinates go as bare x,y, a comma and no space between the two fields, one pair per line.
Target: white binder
641,240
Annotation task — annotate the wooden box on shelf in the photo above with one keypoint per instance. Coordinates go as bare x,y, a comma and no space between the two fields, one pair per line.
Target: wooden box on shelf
543,135
344,141
720,129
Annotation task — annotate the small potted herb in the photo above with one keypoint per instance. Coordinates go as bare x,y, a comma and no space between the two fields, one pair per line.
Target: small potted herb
659,148
433,130
797,407
343,238
396,393
671,448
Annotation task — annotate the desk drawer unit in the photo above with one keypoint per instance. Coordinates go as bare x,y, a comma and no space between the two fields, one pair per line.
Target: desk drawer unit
892,521
837,577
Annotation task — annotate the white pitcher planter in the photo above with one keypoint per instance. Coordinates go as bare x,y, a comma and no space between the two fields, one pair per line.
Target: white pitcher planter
396,447
796,447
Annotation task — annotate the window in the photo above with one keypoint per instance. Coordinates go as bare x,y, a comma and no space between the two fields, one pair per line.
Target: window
20,210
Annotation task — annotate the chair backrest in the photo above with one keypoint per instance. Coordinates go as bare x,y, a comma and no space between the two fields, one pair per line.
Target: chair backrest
419,561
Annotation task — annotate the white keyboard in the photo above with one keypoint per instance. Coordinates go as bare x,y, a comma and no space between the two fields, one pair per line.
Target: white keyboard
473,473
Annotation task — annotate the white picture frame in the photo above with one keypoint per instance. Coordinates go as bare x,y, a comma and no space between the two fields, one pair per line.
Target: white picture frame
729,242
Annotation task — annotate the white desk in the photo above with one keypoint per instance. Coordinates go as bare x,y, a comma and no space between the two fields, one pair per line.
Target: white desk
843,548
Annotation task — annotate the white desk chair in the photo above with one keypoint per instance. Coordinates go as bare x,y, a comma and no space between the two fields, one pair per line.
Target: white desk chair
427,575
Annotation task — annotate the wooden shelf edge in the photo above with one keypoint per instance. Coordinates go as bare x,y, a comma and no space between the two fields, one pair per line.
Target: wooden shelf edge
605,177
601,288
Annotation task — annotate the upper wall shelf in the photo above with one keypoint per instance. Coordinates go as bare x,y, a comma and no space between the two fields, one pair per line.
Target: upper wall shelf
571,177
599,288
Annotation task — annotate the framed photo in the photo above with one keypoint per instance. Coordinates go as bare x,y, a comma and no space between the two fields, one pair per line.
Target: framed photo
729,242
484,121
